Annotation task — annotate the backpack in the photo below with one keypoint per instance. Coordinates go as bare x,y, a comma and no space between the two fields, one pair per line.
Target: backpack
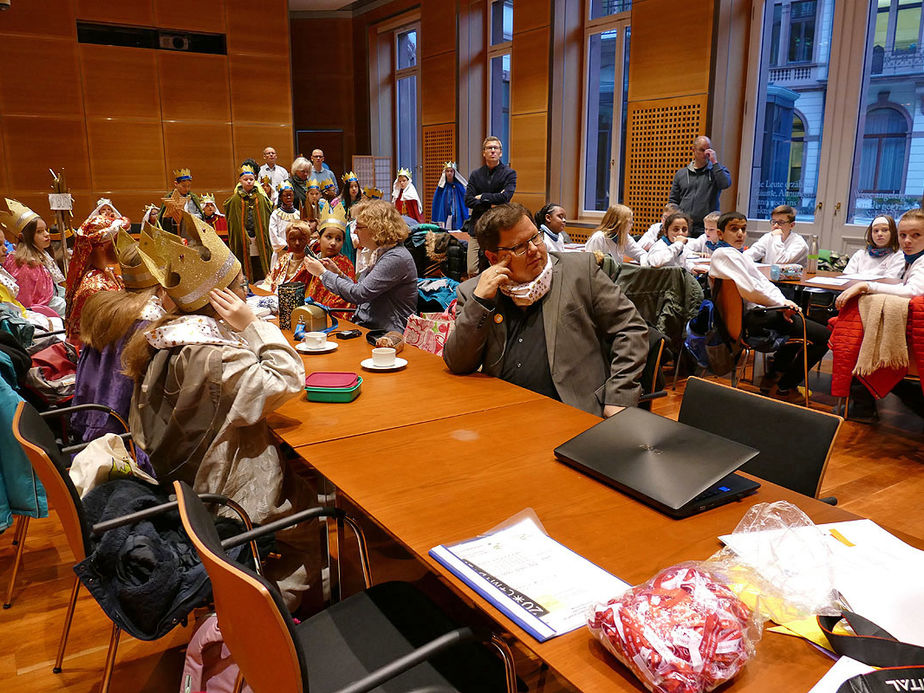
707,342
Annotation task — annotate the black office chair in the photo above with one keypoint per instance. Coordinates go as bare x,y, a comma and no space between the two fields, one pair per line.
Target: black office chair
794,442
388,635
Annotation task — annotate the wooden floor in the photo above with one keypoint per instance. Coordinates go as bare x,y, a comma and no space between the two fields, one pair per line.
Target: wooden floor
875,471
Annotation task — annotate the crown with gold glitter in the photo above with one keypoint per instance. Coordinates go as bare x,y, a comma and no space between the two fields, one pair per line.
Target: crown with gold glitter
265,180
189,272
134,273
328,183
247,168
14,217
181,174
372,193
349,177
207,198
333,217
449,164
285,185
406,172
313,183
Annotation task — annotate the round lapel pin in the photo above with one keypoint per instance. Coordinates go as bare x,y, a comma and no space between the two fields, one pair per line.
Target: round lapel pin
498,318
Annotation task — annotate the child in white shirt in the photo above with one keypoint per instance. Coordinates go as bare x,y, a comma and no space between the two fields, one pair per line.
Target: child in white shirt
612,236
703,246
670,249
782,246
651,235
881,256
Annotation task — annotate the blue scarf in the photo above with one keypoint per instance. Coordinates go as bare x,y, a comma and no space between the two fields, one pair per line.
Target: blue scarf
911,258
878,252
723,244
712,246
666,240
548,232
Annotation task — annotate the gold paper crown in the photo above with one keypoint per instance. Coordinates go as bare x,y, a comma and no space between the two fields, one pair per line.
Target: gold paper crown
328,183
134,273
182,174
207,198
265,180
285,185
406,172
449,164
14,217
188,273
247,168
313,183
333,217
348,177
372,192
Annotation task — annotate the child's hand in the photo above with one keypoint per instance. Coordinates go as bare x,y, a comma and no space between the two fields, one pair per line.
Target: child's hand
230,308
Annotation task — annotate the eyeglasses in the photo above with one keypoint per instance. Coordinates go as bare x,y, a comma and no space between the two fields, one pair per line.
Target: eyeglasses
780,222
521,249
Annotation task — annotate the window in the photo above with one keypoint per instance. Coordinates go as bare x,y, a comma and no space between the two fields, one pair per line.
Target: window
801,31
500,18
406,101
606,97
604,8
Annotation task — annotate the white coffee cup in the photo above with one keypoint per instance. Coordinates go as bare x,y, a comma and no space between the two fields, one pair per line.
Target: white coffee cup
383,356
315,340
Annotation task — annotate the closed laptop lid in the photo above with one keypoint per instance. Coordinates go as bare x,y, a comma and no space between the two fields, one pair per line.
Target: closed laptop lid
661,459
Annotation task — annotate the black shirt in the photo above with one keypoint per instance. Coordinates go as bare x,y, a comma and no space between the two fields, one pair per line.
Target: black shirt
495,185
526,358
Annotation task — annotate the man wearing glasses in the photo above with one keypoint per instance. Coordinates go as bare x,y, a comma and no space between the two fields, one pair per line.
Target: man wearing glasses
552,323
492,184
320,172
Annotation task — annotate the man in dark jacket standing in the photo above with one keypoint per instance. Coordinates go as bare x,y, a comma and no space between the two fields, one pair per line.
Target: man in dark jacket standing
696,187
492,184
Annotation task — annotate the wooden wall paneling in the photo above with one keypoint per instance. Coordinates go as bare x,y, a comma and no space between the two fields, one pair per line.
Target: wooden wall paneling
531,14
130,203
258,27
4,180
194,86
250,141
201,15
205,149
261,89
670,58
658,140
532,201
126,154
136,12
45,17
529,71
528,146
37,201
438,89
40,76
439,146
437,27
33,145
119,81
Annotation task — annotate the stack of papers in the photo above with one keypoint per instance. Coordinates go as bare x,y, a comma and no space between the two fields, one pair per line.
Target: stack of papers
828,281
543,586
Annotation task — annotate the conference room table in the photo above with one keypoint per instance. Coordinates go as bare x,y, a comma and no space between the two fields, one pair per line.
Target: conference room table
433,458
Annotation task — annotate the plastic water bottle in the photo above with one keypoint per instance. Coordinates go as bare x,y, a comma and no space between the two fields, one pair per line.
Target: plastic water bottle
812,265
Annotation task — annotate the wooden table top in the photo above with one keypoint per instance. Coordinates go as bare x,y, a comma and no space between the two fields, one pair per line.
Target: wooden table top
424,390
448,480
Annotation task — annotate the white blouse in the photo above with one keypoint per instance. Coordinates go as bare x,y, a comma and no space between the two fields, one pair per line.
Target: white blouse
773,250
664,255
912,281
754,287
891,265
602,242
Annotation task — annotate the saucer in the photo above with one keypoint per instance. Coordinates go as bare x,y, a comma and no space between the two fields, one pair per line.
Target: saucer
323,349
369,364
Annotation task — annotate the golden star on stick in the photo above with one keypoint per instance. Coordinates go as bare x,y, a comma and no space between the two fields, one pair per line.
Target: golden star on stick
174,206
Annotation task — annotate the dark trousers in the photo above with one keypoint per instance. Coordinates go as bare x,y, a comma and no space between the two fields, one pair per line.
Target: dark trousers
788,358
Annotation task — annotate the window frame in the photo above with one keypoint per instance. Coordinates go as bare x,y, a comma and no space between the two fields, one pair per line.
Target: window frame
397,76
497,50
619,23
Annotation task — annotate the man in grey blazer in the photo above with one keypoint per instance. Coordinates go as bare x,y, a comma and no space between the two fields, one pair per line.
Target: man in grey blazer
551,322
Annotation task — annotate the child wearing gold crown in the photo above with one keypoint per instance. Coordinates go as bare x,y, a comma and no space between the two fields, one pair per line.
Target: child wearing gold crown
211,215
205,377
405,196
188,201
248,211
449,208
333,234
284,214
35,272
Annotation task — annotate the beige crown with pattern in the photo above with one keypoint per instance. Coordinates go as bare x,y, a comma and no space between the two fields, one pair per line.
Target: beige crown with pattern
188,272
14,217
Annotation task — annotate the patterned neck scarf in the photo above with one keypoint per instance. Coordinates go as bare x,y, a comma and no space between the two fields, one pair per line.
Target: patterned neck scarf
723,244
192,329
528,293
878,252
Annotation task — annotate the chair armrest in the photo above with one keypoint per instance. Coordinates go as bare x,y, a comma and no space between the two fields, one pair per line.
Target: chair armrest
653,395
77,447
410,660
86,407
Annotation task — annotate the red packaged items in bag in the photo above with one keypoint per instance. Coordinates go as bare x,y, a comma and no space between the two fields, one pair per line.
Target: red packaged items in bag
683,631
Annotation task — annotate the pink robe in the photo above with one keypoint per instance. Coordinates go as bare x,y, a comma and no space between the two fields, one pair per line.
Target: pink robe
36,287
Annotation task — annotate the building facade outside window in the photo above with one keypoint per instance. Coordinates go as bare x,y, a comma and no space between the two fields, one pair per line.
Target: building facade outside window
500,30
407,75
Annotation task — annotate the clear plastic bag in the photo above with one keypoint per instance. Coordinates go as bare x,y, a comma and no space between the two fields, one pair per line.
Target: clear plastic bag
683,631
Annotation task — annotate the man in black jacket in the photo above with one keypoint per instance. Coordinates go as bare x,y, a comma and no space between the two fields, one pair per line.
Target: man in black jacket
492,184
696,187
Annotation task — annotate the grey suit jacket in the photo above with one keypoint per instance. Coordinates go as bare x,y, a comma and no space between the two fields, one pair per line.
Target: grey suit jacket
597,342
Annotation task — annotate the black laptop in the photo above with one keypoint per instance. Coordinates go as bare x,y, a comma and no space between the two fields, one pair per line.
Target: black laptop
678,469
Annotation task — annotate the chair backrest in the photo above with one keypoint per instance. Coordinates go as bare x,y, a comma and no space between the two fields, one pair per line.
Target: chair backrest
254,622
50,466
730,307
794,442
